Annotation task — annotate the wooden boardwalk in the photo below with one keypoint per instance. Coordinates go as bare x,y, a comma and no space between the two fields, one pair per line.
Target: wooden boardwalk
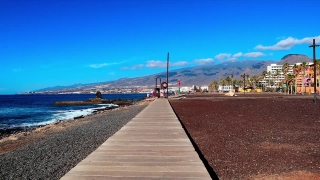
153,145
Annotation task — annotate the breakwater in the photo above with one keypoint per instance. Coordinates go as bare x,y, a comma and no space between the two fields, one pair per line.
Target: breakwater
93,101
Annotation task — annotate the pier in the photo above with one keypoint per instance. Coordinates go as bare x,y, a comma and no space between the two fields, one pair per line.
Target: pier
153,145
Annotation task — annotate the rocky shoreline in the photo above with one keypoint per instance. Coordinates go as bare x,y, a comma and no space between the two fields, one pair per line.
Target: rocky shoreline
119,103
50,151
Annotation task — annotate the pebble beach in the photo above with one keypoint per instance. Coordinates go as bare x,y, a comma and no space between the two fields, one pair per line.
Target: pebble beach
252,136
51,151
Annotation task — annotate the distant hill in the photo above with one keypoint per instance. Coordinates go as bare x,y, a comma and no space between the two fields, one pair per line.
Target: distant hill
197,75
295,58
78,85
201,75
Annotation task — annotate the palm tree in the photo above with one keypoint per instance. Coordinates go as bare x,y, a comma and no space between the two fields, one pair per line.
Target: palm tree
248,80
269,75
290,79
263,76
255,80
232,81
222,82
303,68
239,83
309,83
210,88
243,76
317,73
277,74
260,85
214,85
296,71
285,69
228,80
235,82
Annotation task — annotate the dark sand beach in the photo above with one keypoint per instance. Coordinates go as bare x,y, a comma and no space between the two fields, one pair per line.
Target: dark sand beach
257,136
254,136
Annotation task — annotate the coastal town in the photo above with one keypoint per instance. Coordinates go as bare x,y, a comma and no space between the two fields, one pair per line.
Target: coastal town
171,89
290,78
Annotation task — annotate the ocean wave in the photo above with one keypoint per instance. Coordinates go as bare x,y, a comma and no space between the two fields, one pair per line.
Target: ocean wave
31,120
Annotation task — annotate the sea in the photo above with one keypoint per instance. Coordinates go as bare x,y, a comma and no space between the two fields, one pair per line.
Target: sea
22,112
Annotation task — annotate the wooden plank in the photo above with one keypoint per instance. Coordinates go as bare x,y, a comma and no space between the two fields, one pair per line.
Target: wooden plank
153,145
170,168
149,148
107,164
167,174
131,178
146,143
145,153
134,158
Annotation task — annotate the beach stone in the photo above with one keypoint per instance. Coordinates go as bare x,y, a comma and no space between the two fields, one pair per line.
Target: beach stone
230,93
99,95
52,156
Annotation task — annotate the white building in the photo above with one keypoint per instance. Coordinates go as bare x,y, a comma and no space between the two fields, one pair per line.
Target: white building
273,69
276,75
185,89
204,87
225,88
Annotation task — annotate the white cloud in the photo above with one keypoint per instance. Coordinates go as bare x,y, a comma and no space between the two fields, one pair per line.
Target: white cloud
228,57
134,67
203,61
288,43
156,64
104,64
139,66
222,56
237,55
253,54
179,63
162,64
233,59
124,68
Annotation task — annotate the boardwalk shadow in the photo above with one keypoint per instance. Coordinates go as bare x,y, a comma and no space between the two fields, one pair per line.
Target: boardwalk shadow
210,170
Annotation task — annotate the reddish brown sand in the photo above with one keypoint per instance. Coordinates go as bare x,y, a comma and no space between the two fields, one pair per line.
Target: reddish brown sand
268,136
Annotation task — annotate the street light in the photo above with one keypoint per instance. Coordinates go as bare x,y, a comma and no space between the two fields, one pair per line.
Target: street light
314,45
168,75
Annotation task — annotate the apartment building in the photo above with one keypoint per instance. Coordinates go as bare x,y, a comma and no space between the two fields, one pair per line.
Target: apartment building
304,78
277,76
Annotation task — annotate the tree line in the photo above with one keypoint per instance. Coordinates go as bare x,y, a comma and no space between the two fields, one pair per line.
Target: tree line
290,79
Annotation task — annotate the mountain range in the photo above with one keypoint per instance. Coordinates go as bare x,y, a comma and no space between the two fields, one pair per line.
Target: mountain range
197,75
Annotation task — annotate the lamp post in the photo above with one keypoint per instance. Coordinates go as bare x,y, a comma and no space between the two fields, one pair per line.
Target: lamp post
156,88
244,84
179,82
314,45
168,75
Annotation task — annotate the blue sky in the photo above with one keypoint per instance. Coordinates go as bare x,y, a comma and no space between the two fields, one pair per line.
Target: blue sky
64,42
